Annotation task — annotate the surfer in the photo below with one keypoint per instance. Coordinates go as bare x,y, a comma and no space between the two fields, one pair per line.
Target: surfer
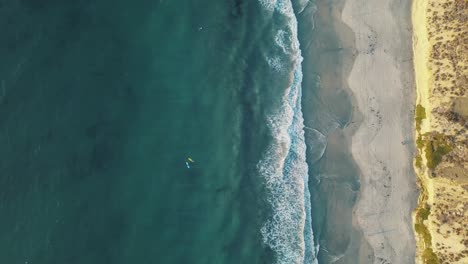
188,161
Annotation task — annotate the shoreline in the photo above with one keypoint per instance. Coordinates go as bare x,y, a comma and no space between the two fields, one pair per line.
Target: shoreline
329,108
381,81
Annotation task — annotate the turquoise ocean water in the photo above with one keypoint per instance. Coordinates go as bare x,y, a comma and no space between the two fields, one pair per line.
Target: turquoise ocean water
102,103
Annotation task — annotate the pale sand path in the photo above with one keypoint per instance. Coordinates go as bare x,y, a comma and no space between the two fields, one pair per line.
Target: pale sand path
382,83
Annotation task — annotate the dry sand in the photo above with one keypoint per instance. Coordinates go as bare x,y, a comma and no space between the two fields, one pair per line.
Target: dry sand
383,87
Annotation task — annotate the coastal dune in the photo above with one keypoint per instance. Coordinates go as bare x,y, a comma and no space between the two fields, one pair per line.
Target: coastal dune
382,83
441,118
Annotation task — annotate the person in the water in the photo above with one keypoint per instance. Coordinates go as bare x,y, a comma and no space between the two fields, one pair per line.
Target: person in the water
188,161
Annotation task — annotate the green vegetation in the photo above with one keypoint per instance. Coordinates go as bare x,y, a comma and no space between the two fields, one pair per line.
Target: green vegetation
418,161
419,142
419,115
435,146
421,215
422,230
424,212
430,155
419,228
430,257
435,149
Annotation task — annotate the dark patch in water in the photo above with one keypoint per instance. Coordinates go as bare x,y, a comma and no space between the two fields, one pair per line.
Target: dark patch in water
101,156
237,8
93,130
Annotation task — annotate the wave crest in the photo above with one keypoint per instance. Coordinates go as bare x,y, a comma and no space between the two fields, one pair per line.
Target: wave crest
288,229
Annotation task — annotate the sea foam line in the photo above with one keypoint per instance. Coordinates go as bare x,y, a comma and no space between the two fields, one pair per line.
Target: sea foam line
288,231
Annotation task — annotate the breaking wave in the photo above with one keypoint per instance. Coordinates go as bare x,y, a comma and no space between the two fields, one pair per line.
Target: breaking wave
288,230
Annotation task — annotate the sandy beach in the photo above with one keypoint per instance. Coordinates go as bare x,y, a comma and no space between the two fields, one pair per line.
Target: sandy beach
383,87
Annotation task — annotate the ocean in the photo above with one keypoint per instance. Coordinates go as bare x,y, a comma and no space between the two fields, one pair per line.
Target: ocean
158,132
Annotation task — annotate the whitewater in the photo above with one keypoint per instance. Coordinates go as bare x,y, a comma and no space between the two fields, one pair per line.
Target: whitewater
283,168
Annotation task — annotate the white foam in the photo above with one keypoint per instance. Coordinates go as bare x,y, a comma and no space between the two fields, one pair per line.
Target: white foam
283,40
268,4
288,230
281,6
284,169
275,63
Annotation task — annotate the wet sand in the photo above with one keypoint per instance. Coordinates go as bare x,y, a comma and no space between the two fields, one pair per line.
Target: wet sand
382,84
328,107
